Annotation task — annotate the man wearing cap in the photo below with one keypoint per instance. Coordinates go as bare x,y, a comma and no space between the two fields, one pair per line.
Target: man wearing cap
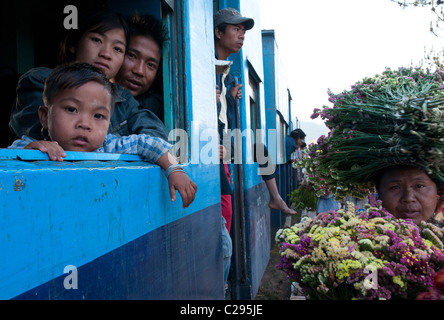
229,34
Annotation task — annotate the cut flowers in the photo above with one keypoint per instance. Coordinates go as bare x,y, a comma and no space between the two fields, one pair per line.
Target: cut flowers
361,254
396,117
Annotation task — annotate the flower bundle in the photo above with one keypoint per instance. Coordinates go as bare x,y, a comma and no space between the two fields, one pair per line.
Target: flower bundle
393,118
361,254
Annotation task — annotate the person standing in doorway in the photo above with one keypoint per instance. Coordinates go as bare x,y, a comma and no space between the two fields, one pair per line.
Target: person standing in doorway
229,35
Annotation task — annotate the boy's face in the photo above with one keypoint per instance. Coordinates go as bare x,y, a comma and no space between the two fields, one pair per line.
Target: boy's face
105,51
78,118
140,66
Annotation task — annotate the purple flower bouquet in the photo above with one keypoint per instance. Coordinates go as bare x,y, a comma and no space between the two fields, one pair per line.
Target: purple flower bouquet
361,254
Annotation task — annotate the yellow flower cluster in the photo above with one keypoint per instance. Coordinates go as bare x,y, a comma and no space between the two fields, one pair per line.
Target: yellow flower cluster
346,248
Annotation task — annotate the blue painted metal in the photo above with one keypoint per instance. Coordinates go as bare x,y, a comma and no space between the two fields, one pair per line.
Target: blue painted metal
277,99
258,234
158,265
57,214
22,154
111,216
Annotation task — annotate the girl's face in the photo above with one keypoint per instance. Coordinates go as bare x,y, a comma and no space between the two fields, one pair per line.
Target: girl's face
408,193
105,51
78,118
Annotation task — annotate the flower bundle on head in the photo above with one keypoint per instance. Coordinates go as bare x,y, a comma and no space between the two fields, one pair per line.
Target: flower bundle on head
389,119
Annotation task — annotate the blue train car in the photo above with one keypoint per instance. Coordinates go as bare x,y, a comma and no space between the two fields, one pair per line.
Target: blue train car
279,117
102,226
112,220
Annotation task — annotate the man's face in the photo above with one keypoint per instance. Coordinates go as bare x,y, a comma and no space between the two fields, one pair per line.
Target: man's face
233,39
140,66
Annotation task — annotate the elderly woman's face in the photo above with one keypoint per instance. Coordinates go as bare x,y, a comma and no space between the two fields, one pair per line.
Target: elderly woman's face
408,193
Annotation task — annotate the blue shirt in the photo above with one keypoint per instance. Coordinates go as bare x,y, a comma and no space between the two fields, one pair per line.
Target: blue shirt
290,147
147,147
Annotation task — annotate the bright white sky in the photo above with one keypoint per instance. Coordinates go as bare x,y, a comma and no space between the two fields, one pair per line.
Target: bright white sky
334,43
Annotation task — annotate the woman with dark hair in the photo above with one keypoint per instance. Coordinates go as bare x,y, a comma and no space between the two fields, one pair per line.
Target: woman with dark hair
99,22
408,192
100,41
386,136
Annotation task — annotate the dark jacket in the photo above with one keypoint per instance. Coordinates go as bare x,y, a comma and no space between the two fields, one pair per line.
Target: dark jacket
128,117
152,101
225,187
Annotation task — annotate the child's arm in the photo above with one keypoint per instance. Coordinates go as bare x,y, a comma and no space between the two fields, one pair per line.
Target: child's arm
155,150
53,149
177,180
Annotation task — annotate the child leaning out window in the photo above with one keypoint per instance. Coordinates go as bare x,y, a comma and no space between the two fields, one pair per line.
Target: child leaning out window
78,104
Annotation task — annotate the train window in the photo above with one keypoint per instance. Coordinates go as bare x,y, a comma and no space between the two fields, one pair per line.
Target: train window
255,116
31,47
174,78
282,128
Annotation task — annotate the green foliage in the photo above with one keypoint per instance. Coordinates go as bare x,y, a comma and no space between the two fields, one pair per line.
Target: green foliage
304,198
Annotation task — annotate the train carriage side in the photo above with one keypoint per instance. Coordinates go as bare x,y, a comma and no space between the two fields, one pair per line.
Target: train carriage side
101,228
251,221
279,117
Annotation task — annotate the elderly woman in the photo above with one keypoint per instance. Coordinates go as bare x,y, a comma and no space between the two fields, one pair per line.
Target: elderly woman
386,135
409,193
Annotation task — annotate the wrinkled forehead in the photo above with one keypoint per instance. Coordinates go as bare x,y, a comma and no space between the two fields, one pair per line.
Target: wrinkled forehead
402,174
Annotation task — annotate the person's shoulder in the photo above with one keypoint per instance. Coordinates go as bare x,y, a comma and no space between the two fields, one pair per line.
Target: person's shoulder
124,97
39,73
150,95
33,79
152,101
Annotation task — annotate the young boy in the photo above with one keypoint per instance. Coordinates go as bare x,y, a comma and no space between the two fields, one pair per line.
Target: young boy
78,104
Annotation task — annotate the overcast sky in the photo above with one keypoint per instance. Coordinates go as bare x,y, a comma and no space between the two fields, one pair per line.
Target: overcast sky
334,43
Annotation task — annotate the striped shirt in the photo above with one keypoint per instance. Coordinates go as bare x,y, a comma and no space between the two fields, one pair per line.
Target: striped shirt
147,147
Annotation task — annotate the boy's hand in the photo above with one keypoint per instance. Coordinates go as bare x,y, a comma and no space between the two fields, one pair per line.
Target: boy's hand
187,188
53,149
